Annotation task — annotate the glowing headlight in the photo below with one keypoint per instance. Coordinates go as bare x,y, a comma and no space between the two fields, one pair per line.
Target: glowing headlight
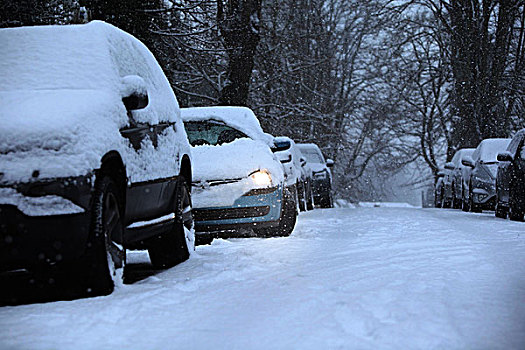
320,175
261,178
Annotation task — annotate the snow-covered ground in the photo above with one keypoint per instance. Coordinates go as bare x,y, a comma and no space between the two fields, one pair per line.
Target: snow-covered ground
366,278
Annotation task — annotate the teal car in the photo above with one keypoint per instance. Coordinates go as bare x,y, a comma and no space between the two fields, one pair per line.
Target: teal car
239,187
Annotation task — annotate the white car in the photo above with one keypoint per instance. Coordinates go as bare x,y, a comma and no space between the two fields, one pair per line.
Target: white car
238,183
298,172
94,158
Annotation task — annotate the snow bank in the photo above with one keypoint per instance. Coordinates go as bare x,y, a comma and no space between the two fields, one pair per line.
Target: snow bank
384,205
343,203
61,105
365,278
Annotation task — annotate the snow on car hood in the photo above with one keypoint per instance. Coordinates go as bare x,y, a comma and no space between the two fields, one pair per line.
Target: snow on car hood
57,132
317,167
231,161
235,160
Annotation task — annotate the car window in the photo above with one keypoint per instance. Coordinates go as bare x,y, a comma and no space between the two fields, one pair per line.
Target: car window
312,156
211,133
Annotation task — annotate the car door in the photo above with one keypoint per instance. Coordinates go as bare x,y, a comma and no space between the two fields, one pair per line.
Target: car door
518,168
145,200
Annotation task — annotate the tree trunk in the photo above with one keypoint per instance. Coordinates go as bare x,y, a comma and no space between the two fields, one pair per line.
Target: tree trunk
239,28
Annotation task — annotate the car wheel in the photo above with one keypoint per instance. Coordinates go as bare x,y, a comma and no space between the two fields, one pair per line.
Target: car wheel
327,200
464,201
310,197
456,202
515,212
301,190
286,221
174,246
105,256
501,212
203,240
474,207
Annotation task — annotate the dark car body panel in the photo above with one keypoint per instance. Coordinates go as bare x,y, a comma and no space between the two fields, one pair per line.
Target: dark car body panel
510,179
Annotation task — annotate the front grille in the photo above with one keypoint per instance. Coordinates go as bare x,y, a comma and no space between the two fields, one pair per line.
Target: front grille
230,213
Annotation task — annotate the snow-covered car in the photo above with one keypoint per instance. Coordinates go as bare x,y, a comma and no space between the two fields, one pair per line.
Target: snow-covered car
297,172
238,183
453,179
480,191
321,174
94,158
510,179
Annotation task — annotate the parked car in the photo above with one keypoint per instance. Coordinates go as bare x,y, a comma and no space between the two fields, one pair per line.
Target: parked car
239,185
480,191
510,179
94,159
453,181
321,174
297,171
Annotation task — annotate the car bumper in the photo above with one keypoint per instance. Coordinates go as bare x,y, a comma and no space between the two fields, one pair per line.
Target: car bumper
43,223
484,197
30,241
256,209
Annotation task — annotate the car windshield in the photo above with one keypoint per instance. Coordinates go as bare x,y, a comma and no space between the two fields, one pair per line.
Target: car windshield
211,133
312,156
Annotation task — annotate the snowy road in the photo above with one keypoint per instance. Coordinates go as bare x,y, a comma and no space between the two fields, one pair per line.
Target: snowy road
363,278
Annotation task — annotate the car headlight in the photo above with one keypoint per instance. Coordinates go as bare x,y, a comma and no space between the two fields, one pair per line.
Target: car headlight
261,178
320,175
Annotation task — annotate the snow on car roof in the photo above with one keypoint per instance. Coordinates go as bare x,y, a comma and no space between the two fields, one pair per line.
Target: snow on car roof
93,56
488,149
241,118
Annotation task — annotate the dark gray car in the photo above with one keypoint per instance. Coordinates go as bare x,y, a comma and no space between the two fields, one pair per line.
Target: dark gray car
481,186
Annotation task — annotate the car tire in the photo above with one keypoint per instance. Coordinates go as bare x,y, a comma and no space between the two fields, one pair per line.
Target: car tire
286,221
464,201
515,213
103,264
310,197
456,202
301,190
501,211
475,208
327,200
175,246
203,240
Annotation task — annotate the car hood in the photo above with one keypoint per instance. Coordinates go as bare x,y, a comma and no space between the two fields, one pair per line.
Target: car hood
317,167
57,132
235,160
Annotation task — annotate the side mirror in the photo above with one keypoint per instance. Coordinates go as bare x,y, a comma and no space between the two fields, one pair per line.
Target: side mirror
468,161
302,161
505,157
281,145
134,92
287,159
449,166
329,163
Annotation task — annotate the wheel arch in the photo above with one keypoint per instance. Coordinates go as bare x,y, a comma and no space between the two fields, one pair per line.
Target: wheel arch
111,165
